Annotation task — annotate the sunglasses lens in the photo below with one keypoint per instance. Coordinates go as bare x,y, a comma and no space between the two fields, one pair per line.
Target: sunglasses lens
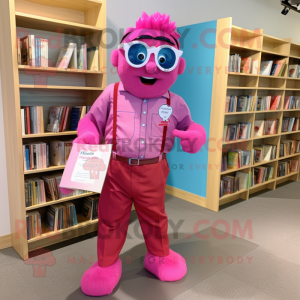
166,58
137,54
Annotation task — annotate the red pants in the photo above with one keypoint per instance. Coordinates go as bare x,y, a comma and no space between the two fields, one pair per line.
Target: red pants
145,187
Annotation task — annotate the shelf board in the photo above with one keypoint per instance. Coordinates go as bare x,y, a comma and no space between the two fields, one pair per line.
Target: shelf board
263,163
270,76
241,88
58,87
293,56
56,70
230,195
274,53
267,111
292,89
270,88
81,5
82,222
245,48
291,78
241,74
234,170
246,33
290,132
51,202
297,109
261,184
48,24
288,175
239,113
288,156
45,134
237,141
51,168
265,136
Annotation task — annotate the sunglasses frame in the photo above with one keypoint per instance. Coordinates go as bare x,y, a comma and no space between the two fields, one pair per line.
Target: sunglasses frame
150,50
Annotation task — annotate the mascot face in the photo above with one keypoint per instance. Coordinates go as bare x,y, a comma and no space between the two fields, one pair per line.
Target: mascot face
149,60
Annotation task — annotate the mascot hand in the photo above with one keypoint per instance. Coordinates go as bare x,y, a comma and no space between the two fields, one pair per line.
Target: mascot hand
87,138
192,139
66,191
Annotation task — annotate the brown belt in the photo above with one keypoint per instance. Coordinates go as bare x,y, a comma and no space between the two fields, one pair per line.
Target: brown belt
139,162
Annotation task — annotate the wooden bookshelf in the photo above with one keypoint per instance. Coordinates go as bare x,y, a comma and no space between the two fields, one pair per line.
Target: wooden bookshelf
264,47
84,20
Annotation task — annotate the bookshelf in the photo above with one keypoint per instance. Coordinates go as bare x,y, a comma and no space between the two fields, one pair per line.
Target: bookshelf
263,47
61,22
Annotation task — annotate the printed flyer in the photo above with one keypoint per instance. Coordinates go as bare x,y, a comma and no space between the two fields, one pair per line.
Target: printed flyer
86,167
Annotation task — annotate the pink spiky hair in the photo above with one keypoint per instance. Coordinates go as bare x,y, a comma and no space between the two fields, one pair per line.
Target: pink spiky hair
156,21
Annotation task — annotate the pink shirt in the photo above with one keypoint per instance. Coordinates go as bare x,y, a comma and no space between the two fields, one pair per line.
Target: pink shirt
138,133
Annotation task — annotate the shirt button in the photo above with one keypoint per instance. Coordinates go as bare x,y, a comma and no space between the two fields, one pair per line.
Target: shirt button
143,142
144,112
142,156
143,124
145,101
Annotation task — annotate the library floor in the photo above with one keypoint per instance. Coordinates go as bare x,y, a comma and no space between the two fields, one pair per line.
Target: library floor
270,271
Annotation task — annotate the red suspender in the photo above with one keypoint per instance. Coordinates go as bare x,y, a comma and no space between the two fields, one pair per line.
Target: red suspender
165,129
115,105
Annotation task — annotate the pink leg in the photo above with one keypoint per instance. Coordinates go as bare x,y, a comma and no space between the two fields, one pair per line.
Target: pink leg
100,281
168,268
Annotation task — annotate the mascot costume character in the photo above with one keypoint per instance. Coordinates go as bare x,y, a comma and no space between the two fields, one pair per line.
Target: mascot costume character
140,117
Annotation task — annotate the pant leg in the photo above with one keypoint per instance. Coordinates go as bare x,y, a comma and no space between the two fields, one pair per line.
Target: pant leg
114,213
149,201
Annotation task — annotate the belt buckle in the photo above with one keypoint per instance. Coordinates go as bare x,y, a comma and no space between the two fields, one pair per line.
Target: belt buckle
138,162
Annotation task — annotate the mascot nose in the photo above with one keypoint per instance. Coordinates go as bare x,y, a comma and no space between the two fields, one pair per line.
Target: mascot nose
151,67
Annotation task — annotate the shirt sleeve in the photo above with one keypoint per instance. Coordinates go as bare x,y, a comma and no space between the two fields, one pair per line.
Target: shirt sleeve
184,119
99,111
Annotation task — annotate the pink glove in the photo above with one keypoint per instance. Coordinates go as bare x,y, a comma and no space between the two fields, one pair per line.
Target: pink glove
87,134
192,139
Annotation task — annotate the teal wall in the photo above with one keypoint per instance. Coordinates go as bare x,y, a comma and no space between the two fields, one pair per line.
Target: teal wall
195,87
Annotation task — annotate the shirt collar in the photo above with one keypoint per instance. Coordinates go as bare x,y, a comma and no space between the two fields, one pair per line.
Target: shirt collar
122,89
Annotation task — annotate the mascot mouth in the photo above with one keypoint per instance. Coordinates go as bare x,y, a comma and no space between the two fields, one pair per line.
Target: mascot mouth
148,80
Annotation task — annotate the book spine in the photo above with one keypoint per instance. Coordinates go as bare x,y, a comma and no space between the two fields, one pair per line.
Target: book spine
19,50
22,121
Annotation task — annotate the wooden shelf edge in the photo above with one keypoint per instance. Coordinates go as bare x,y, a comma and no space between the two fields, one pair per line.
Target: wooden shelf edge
58,87
58,232
235,170
288,175
52,168
45,134
53,202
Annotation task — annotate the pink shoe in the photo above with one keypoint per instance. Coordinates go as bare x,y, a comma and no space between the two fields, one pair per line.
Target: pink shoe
100,281
167,268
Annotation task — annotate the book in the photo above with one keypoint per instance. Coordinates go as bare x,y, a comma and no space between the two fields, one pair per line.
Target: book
73,60
255,66
294,165
55,115
93,59
270,126
82,57
265,67
19,51
246,64
65,56
259,127
44,52
280,64
86,167
293,71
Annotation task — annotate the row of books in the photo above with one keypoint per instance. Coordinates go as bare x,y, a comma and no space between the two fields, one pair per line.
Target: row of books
40,155
264,153
265,103
33,223
289,147
292,102
36,156
245,65
239,103
294,71
32,119
290,124
273,68
287,166
60,152
229,185
61,216
90,207
34,191
37,189
240,131
266,127
262,174
233,160
33,51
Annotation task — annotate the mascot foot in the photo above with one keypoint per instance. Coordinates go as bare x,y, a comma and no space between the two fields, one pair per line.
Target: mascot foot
167,268
100,281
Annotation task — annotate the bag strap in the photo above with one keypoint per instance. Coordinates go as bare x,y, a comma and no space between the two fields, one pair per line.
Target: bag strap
115,106
165,129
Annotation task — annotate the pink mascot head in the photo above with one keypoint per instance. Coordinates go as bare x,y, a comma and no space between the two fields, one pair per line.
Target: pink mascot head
149,57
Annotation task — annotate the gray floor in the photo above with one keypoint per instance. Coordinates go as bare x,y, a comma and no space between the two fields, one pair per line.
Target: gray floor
272,273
